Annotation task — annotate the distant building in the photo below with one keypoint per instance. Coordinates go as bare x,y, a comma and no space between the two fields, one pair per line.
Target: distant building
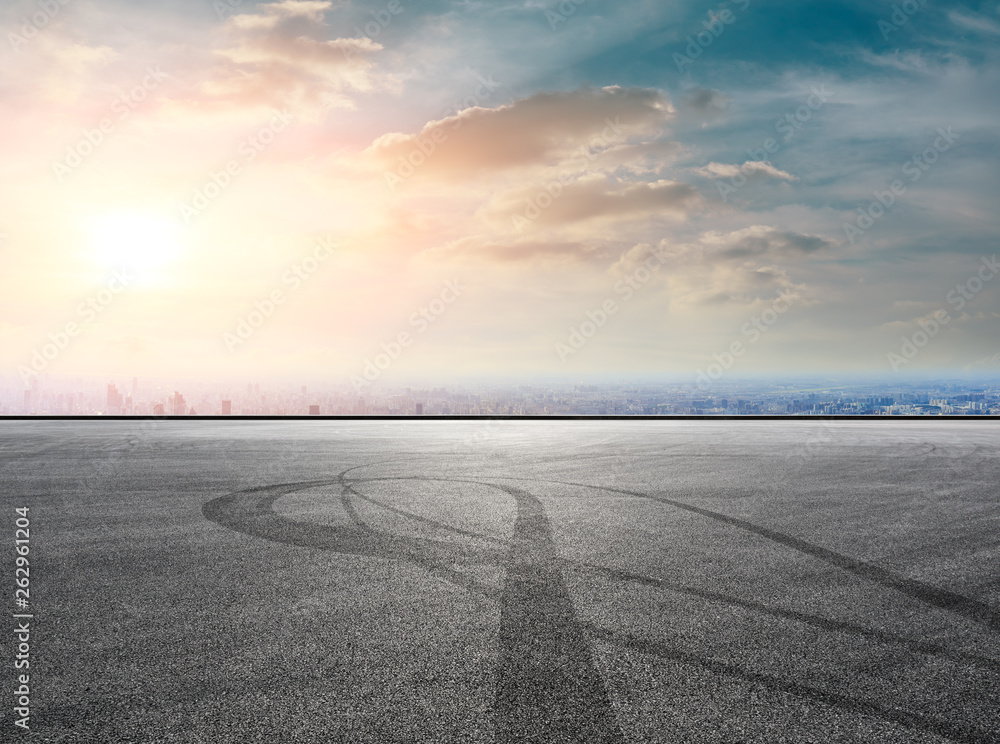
420,409
157,409
115,401
178,406
227,408
313,410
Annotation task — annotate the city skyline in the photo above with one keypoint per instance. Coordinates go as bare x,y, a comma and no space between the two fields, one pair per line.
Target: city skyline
731,397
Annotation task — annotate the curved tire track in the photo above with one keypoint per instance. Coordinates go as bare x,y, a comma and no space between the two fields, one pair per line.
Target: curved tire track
548,688
914,721
823,623
251,512
958,604
816,621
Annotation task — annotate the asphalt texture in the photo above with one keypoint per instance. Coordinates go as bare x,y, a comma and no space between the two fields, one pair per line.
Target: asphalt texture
504,581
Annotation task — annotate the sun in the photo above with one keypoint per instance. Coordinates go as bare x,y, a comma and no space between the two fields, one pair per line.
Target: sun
140,241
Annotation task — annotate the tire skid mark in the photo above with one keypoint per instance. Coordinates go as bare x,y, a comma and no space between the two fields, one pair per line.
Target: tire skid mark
548,687
818,621
918,646
958,604
419,518
251,512
943,599
547,684
914,721
346,490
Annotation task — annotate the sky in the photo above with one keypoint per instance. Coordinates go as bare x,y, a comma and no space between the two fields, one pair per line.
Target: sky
377,191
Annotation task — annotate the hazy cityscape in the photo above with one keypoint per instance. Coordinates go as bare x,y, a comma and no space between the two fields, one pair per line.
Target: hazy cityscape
806,397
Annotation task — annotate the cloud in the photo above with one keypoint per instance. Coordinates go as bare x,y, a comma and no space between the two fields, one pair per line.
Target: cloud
541,130
914,61
54,68
974,23
274,13
278,57
990,361
743,285
745,267
703,105
327,59
592,197
636,256
763,240
706,99
511,251
81,54
751,167
642,159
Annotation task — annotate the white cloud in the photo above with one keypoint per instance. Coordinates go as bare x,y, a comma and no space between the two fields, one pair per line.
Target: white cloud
751,167
544,129
974,23
278,57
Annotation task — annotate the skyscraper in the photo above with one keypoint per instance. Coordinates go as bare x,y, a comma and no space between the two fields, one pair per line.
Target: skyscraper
178,407
114,402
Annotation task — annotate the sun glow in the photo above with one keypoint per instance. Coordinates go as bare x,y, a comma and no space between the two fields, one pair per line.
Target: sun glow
139,241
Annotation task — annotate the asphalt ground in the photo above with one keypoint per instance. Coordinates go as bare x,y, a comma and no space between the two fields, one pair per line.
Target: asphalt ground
478,581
